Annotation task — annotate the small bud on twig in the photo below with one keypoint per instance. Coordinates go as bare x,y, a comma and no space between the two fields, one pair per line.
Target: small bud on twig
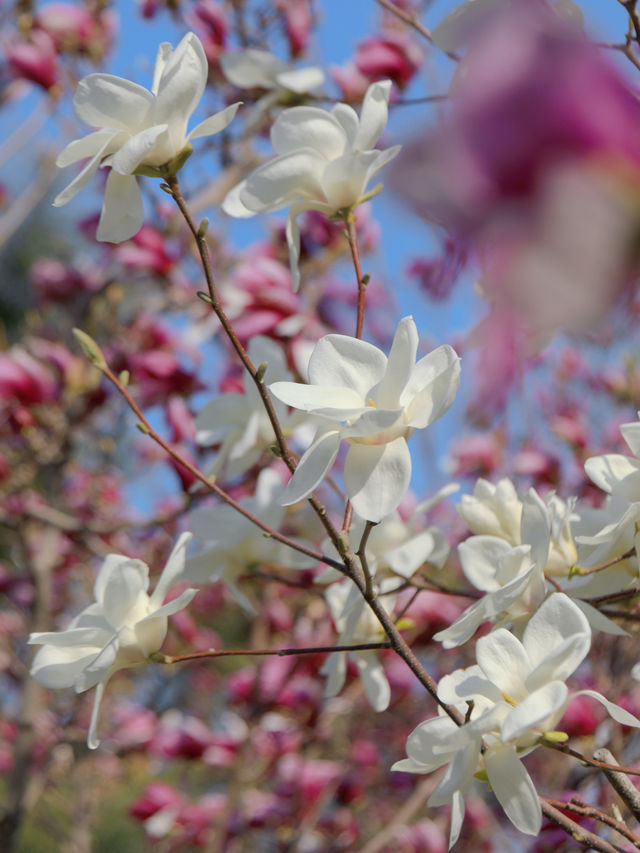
204,225
90,349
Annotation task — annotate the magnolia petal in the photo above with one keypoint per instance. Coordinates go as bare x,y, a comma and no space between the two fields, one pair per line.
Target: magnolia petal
464,627
631,434
557,639
180,86
479,558
251,68
598,621
401,363
535,528
102,100
334,401
423,741
84,176
215,123
615,711
377,477
284,179
513,788
122,214
292,233
335,668
88,146
457,817
344,178
615,473
504,661
459,774
136,150
373,680
163,55
407,558
463,684
377,163
313,467
171,607
233,205
373,115
93,741
300,80
348,362
537,706
97,669
349,120
432,387
84,636
174,569
311,128
59,666
371,422
118,587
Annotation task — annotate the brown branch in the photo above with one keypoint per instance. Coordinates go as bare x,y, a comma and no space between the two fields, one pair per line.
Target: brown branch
625,789
579,807
634,17
577,832
224,653
414,21
579,571
591,762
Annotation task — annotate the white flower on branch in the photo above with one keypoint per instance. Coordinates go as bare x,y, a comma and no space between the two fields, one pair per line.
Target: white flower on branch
259,69
374,403
122,628
512,697
325,161
139,132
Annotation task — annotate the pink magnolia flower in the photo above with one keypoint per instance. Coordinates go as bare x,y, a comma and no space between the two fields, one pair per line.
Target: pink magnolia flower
59,281
395,57
35,59
298,24
75,29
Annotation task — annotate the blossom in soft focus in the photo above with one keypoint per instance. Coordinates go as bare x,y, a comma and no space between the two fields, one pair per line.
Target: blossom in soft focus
74,29
356,623
325,160
139,132
518,694
258,69
374,403
36,59
535,167
122,628
395,57
236,545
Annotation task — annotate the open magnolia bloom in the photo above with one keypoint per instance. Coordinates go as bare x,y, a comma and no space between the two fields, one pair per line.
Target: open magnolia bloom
237,544
259,69
122,628
356,623
374,403
531,539
325,161
139,132
518,695
239,422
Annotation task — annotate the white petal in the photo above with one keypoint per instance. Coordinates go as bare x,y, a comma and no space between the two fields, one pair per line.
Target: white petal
407,558
534,709
173,570
463,684
615,711
400,365
329,400
284,179
424,740
181,84
88,146
136,150
85,636
301,80
373,115
293,235
457,817
85,175
348,362
479,558
432,387
102,100
232,204
165,51
308,127
251,68
615,473
93,741
514,789
376,164
173,606
631,434
504,661
335,668
464,627
598,621
122,214
214,124
349,120
373,680
557,639
459,774
59,666
118,586
534,528
377,477
313,467
372,422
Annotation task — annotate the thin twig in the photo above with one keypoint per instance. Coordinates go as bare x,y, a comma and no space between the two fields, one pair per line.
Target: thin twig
578,570
361,554
225,653
590,811
626,790
413,21
592,762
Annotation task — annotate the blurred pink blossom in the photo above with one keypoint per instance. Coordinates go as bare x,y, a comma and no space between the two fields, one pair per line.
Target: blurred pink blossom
35,58
393,57
298,23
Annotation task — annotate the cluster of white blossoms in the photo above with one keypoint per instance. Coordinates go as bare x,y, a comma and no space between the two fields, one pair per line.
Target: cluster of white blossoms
522,548
511,699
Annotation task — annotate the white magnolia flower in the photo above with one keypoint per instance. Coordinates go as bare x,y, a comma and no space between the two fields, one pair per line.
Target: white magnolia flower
518,693
356,623
493,510
259,69
325,160
138,131
512,576
374,403
237,544
239,421
122,628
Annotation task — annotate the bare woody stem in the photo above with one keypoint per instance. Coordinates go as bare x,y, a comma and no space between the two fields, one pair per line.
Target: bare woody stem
577,806
412,20
591,762
147,429
223,653
352,239
577,832
618,780
578,570
199,235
